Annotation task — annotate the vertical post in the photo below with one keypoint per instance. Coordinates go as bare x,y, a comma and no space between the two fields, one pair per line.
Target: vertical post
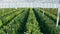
16,5
43,12
57,17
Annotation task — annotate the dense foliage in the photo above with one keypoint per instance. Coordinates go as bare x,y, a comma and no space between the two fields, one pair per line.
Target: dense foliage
28,21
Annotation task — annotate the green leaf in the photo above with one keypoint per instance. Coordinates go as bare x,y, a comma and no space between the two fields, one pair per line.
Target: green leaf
0,23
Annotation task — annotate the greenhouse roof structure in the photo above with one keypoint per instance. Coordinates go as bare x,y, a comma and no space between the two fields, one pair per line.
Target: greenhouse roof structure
29,3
